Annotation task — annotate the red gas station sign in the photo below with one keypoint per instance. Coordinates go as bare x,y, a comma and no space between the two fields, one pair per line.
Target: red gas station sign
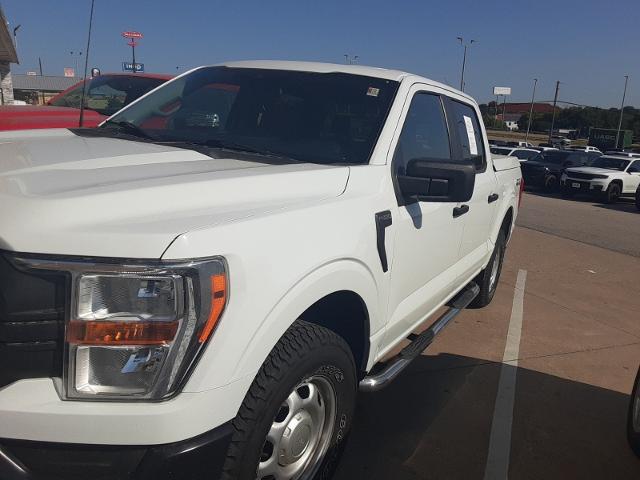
131,34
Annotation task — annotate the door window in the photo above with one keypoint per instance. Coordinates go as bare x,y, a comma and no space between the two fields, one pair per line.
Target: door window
469,134
424,134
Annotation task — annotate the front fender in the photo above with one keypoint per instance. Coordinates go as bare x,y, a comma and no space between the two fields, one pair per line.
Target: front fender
347,274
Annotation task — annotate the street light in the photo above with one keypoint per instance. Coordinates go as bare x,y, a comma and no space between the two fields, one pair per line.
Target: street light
75,56
464,59
624,94
15,37
533,96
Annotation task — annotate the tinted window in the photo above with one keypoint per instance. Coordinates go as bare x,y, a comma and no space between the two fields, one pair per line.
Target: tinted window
108,93
424,133
555,156
313,117
501,150
610,163
524,154
634,167
469,133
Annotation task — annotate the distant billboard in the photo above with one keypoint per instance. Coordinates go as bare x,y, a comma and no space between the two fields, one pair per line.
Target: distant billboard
502,91
69,72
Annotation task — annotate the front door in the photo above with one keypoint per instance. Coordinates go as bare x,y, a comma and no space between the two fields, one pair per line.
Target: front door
427,236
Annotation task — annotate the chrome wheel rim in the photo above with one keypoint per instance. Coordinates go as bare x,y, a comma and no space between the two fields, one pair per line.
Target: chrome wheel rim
636,410
495,267
301,432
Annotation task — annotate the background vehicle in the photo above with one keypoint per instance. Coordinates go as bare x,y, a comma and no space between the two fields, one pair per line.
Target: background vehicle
587,148
608,177
638,197
272,231
105,95
522,154
545,172
543,147
633,417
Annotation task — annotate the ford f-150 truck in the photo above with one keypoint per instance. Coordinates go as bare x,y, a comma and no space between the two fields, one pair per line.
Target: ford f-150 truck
199,287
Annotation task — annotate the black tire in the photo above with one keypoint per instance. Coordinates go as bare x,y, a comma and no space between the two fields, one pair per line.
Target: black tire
633,435
567,192
487,289
550,183
305,350
612,194
638,198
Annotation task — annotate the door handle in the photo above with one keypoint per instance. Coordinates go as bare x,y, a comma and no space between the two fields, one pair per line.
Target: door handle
461,210
493,197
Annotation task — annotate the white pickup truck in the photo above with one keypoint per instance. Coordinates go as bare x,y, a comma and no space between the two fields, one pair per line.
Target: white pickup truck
199,287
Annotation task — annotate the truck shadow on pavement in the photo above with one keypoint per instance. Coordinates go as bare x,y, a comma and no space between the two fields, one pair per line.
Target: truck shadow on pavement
434,422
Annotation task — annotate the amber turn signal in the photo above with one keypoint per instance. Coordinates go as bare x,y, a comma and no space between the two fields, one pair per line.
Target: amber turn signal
81,332
218,300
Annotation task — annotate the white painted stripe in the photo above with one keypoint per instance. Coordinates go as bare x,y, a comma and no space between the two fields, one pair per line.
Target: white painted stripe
497,467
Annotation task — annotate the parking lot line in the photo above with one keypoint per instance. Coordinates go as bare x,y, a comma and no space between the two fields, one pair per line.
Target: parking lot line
497,466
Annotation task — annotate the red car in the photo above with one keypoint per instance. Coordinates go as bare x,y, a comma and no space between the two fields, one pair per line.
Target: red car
105,95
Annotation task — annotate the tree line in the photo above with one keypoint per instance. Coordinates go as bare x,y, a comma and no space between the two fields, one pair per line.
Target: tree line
573,118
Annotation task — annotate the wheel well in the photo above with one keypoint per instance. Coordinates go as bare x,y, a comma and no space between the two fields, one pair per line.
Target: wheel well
506,223
618,182
346,314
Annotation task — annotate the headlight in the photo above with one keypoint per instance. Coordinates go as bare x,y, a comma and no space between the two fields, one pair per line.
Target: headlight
134,331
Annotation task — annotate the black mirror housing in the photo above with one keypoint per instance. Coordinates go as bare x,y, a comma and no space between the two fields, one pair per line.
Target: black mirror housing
430,181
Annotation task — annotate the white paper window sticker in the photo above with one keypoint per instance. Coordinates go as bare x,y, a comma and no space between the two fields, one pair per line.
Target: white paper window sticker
473,147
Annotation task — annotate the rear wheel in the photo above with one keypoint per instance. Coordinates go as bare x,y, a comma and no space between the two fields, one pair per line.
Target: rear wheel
633,418
638,198
489,277
295,418
612,194
550,183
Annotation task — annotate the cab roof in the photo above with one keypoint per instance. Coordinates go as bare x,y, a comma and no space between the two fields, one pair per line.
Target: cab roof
320,67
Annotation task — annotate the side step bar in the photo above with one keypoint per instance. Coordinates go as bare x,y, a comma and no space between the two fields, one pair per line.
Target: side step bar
419,343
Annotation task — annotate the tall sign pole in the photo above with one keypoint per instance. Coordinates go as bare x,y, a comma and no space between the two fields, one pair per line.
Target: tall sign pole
86,66
133,37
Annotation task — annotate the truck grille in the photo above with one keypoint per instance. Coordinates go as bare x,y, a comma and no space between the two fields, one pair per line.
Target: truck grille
581,176
31,323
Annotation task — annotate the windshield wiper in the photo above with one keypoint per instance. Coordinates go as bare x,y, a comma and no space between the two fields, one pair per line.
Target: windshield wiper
129,128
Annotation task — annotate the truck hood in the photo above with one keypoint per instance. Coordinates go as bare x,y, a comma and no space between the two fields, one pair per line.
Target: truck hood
69,195
23,117
593,170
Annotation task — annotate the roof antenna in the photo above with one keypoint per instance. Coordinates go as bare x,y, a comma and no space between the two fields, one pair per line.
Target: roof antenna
86,66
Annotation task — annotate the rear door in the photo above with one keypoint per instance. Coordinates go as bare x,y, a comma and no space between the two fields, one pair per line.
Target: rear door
631,184
469,146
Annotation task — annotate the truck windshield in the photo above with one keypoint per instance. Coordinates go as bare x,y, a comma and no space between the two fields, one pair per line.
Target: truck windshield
611,163
314,117
108,93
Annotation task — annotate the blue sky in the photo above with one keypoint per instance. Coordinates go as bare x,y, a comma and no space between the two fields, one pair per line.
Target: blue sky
588,45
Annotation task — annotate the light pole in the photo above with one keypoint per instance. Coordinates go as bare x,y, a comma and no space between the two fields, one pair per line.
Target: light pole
553,118
624,94
533,96
15,37
464,59
75,56
86,66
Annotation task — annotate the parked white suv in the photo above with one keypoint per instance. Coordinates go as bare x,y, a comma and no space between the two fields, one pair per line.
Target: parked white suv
609,177
199,287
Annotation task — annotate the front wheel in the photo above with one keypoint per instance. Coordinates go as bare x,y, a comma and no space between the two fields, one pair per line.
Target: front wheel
489,277
633,418
295,418
612,194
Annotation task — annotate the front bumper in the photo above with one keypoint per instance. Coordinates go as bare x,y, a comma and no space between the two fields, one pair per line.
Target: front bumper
583,186
193,459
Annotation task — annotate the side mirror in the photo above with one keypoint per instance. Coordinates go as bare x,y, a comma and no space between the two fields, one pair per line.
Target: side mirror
437,181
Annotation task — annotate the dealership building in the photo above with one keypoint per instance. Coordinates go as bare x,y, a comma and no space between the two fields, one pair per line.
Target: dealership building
8,56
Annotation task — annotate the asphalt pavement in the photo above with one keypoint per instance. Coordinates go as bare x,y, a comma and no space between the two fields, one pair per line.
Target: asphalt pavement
533,386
